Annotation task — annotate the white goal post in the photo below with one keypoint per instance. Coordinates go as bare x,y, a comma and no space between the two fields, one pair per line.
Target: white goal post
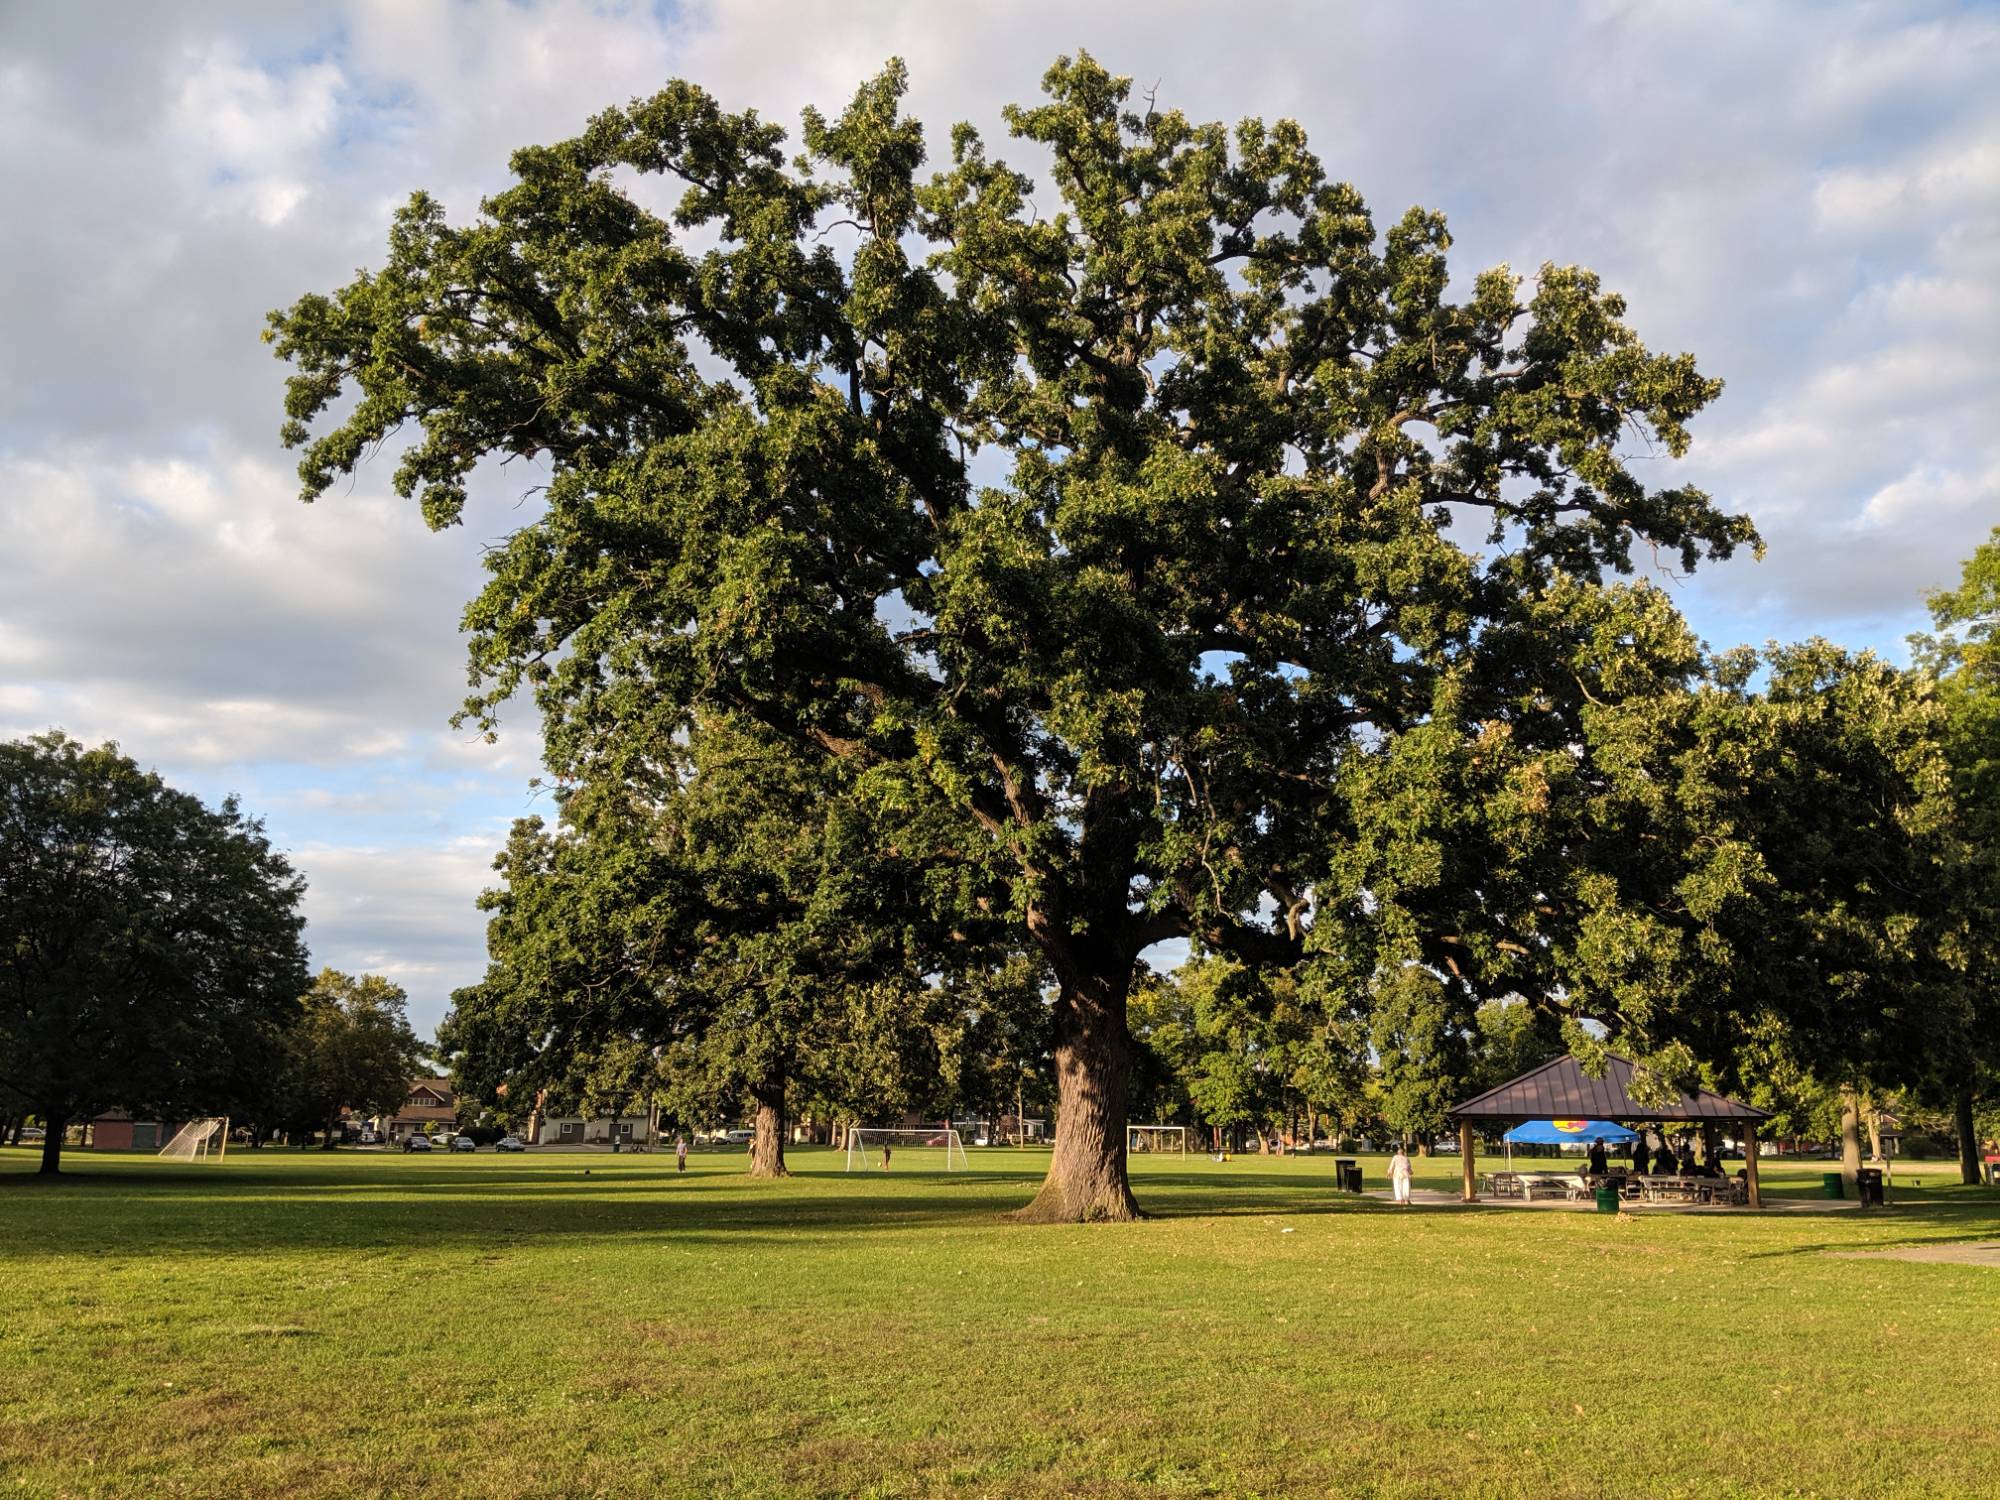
865,1143
1171,1139
199,1138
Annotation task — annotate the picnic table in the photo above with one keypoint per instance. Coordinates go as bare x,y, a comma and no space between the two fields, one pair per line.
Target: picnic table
1679,1189
1526,1185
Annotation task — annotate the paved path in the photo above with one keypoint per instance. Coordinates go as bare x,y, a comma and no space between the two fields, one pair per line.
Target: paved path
1975,1253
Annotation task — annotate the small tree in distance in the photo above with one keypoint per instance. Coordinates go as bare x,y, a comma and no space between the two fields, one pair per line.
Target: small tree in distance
351,1047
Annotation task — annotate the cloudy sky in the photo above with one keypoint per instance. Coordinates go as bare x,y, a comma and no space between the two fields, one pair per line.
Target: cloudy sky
1807,198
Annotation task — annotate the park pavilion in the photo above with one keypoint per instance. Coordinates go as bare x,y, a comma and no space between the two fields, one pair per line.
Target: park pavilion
1561,1090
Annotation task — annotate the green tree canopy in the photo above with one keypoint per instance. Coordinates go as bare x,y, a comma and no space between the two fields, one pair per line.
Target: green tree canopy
351,1046
1964,655
150,953
1135,521
737,911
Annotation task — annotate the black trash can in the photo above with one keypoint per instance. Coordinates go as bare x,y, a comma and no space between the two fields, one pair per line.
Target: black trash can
1354,1177
1868,1187
1347,1174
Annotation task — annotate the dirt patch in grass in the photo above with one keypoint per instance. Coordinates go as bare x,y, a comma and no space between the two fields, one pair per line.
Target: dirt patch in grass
1981,1253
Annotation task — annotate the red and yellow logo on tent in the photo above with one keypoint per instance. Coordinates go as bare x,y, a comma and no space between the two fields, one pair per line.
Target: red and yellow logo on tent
1571,1127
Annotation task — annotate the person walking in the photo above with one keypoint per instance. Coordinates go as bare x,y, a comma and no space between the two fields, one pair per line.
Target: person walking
680,1153
1399,1176
885,1156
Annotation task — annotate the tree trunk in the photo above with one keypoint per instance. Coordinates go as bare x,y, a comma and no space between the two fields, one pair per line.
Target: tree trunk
1874,1119
1087,1179
1968,1139
1850,1138
1424,1146
55,1119
767,1146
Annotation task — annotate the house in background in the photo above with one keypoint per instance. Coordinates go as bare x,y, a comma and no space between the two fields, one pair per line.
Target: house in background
431,1104
574,1130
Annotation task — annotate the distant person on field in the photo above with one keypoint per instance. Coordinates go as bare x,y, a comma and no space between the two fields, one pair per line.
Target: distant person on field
1642,1156
1399,1176
885,1156
680,1154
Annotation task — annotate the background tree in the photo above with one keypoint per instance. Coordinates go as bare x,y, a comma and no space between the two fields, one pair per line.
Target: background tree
1205,575
150,952
1858,948
730,907
351,1046
1424,1060
1964,655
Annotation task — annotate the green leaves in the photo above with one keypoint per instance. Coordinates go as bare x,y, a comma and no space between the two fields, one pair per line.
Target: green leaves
150,952
1111,529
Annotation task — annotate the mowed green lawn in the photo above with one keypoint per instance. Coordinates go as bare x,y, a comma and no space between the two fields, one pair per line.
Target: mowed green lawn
355,1324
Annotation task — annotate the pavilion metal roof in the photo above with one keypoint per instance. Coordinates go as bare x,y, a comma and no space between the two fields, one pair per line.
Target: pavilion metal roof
1560,1090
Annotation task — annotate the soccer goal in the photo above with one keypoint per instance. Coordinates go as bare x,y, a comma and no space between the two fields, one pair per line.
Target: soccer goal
1171,1139
199,1138
865,1143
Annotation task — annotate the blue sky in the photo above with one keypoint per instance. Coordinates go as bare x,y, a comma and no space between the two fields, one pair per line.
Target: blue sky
1808,198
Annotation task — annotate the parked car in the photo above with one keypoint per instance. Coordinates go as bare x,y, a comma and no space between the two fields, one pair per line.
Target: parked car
738,1137
464,1143
416,1143
33,1133
369,1138
510,1143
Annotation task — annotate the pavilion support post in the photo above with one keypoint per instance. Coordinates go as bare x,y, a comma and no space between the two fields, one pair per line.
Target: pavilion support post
1468,1143
1750,1163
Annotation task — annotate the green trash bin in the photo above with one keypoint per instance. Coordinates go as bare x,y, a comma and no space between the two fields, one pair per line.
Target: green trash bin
1829,1185
1607,1200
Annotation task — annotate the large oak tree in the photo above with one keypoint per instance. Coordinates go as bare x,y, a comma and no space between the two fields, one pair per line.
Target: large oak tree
1132,518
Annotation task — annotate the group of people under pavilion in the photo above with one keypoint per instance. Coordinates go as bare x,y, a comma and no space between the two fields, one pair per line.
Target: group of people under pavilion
1560,1091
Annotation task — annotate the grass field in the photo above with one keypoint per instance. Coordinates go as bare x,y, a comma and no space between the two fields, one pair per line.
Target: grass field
345,1325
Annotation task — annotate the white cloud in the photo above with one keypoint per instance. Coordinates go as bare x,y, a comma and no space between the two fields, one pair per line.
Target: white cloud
1928,495
402,911
1962,176
1806,197
253,135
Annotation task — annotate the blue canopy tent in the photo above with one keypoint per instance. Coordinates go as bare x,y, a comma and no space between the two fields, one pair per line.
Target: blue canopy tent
1564,1132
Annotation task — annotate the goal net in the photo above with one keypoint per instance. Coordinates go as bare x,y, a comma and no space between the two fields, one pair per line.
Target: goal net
1171,1139
198,1138
936,1148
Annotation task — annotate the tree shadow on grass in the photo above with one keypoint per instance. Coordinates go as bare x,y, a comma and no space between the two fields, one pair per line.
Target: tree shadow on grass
114,1210
1964,1221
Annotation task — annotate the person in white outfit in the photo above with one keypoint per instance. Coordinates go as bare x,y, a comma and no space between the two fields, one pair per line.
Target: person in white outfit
1399,1177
